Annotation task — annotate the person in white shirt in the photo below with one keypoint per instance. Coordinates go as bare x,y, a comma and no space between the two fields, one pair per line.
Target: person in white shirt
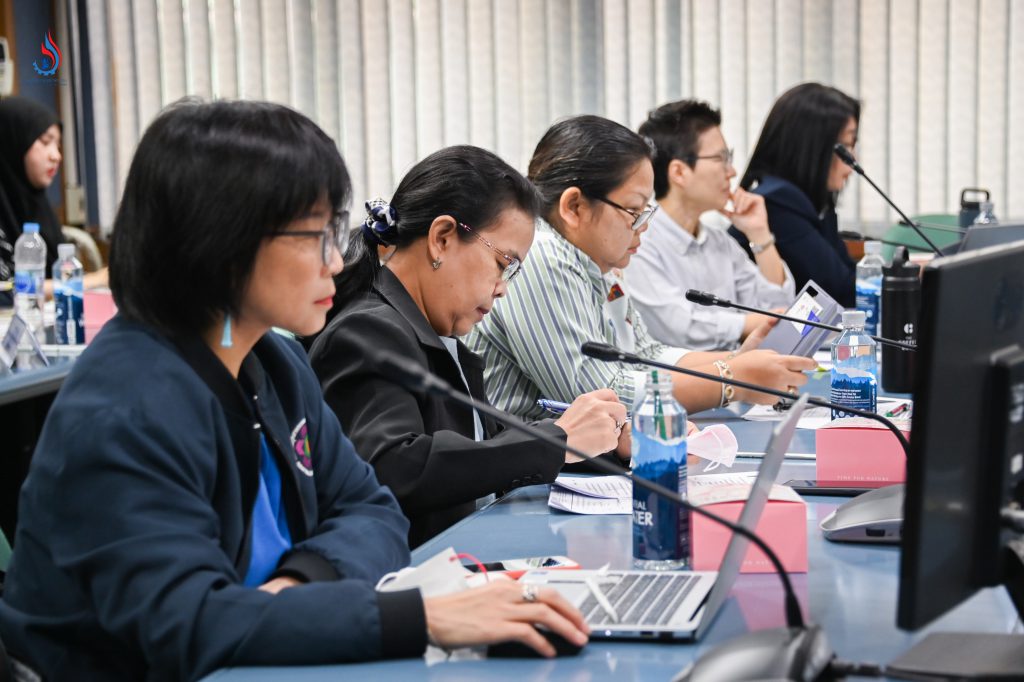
692,173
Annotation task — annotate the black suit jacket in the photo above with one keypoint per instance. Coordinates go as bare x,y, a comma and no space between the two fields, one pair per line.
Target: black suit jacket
421,446
810,244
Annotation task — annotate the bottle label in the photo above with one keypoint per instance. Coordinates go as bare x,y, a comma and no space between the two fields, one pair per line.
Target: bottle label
869,295
68,308
853,388
661,528
28,281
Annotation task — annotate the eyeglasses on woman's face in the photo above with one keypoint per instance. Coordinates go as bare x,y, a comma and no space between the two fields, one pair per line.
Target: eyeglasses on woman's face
639,218
511,265
334,235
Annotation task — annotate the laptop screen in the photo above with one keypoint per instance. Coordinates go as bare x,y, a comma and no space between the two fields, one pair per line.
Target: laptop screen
774,453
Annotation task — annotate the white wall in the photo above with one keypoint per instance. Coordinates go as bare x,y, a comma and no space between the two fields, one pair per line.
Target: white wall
942,81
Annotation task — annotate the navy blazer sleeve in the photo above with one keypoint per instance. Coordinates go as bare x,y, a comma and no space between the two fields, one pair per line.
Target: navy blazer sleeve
426,471
145,550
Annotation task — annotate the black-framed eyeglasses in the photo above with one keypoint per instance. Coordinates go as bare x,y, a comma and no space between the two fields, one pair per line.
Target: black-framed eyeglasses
725,156
334,235
639,219
512,264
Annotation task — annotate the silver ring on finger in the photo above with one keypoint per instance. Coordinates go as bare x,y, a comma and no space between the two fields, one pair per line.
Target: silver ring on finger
530,593
619,425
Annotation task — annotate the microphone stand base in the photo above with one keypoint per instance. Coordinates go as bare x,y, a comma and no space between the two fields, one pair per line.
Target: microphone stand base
874,517
798,654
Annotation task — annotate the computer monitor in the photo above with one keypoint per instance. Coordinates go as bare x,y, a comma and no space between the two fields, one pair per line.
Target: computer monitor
966,462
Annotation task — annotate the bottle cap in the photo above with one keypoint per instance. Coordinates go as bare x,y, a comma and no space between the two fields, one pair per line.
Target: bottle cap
65,251
873,247
853,318
901,266
29,228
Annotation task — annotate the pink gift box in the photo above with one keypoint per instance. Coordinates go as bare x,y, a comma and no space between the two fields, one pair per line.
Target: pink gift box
783,525
97,307
860,450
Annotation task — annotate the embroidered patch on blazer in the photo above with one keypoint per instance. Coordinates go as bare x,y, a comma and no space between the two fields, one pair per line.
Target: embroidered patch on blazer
300,446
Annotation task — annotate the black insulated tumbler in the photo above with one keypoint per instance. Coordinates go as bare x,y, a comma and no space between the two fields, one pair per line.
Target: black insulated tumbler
901,303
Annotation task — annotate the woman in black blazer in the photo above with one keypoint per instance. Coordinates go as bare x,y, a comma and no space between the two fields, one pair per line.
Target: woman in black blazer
454,237
794,168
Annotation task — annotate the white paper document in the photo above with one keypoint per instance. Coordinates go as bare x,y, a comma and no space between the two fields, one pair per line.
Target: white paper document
597,486
592,494
734,478
575,503
816,417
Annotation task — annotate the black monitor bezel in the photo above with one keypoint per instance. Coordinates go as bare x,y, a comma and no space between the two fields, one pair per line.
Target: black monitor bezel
951,539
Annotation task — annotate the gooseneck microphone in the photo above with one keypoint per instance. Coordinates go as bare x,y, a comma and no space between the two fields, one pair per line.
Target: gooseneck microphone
708,299
879,505
607,353
847,157
414,377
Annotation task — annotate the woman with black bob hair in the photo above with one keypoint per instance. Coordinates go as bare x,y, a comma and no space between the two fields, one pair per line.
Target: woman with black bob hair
193,503
596,180
795,169
454,236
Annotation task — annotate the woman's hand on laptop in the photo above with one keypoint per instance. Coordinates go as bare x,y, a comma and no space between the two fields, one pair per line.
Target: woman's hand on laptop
502,611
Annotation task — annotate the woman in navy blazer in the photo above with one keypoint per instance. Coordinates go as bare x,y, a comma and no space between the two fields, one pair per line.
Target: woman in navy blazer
193,502
795,169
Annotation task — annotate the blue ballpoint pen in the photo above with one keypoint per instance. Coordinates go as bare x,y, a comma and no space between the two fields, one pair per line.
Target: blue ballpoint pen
552,406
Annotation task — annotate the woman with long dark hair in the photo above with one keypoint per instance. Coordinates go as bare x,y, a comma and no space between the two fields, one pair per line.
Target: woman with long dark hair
793,166
455,235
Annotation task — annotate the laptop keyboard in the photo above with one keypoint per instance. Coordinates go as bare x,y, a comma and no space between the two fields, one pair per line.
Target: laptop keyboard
641,599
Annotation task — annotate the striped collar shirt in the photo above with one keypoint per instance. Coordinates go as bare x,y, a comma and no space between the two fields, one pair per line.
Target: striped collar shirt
531,339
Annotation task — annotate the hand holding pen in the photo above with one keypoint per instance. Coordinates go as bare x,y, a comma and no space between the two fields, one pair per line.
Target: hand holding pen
592,422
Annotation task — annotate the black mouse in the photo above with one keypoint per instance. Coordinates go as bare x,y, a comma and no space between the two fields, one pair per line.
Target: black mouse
516,649
797,654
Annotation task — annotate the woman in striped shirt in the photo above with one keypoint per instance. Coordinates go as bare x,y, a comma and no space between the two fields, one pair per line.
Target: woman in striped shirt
596,181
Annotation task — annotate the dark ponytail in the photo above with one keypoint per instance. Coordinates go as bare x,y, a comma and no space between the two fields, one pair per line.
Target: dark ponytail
589,152
470,184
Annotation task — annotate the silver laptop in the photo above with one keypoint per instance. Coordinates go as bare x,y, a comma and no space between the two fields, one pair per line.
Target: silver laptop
670,604
979,237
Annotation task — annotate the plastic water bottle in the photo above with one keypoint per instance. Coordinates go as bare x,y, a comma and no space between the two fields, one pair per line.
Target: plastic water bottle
869,286
29,274
986,214
67,296
854,367
661,529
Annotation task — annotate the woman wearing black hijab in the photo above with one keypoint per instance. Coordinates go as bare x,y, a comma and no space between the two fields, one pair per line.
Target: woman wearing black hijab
30,157
29,160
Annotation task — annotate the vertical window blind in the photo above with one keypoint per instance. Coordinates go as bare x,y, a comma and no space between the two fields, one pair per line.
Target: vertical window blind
941,81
